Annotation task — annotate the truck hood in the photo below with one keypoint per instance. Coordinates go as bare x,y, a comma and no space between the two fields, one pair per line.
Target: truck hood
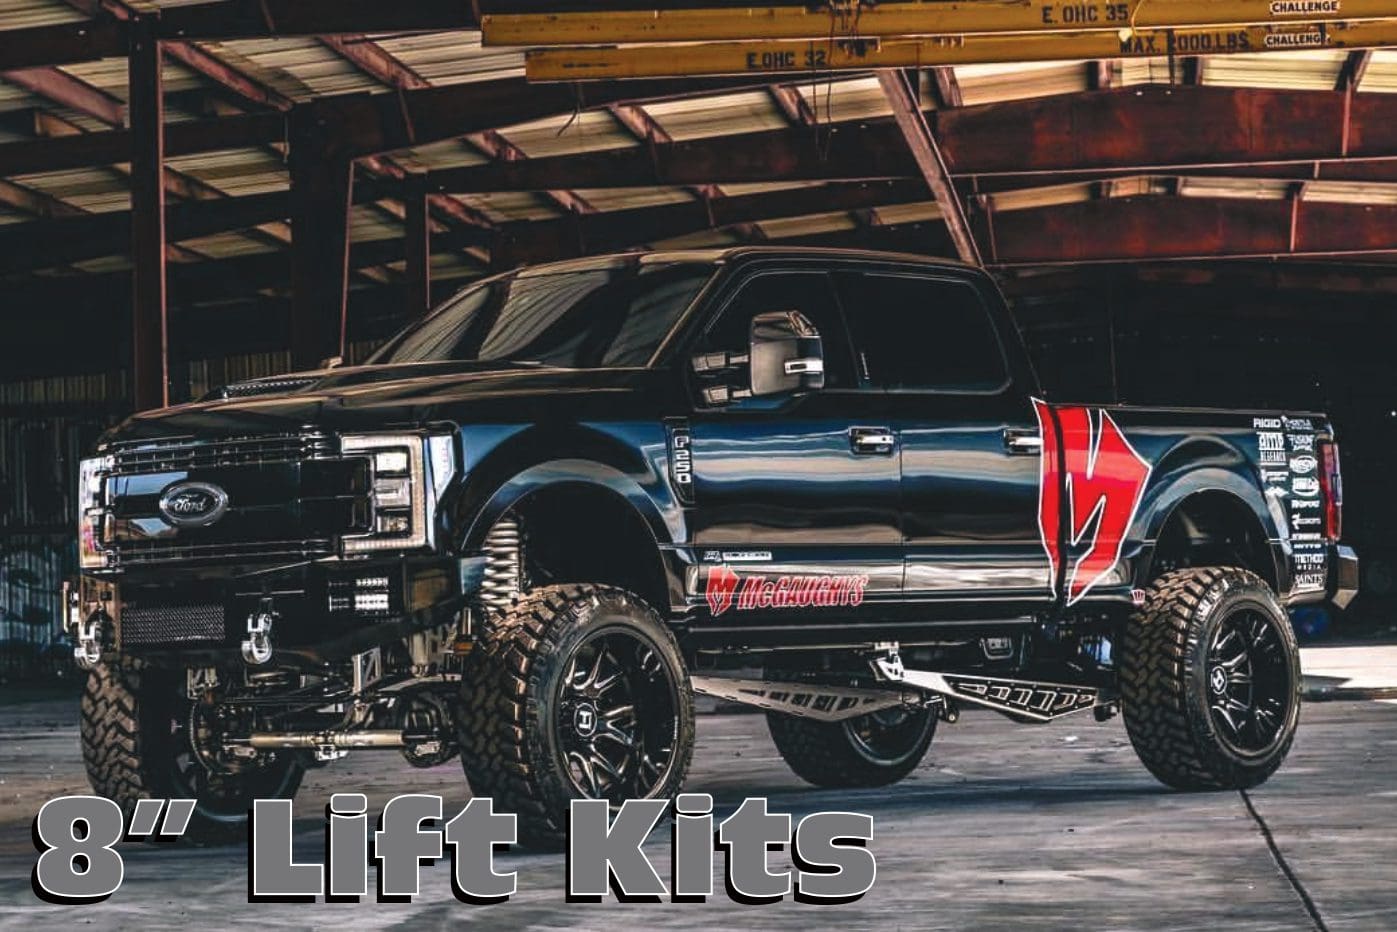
403,396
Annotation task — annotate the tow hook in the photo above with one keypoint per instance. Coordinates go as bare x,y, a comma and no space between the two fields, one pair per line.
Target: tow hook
88,634
257,646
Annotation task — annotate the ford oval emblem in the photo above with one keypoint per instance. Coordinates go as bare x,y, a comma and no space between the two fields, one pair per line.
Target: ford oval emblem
193,504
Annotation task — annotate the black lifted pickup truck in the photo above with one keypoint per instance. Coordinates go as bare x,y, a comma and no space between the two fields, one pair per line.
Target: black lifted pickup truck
823,483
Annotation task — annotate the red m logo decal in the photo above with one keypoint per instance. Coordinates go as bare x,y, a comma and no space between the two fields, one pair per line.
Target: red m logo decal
1103,479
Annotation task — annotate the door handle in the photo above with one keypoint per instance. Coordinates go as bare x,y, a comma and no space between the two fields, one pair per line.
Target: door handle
872,441
1023,442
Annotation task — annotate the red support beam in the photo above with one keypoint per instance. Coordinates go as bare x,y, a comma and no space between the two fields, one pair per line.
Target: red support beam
150,329
540,240
372,59
62,88
198,59
321,189
1166,227
900,87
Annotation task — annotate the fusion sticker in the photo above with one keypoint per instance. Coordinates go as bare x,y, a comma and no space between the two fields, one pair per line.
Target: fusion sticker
1103,479
726,590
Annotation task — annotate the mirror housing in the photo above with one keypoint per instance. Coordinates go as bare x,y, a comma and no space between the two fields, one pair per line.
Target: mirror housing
786,354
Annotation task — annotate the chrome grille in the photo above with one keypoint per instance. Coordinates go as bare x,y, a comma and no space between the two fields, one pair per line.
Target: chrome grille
184,454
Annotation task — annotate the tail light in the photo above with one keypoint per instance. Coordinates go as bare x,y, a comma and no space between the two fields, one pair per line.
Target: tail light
1331,486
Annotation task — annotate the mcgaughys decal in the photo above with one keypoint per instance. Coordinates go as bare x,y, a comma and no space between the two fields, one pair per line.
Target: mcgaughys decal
726,590
1103,479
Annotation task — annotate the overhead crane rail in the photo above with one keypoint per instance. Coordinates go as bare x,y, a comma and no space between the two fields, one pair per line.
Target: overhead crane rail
822,56
854,20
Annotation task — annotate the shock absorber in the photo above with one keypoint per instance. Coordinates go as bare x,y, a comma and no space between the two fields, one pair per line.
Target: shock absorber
504,565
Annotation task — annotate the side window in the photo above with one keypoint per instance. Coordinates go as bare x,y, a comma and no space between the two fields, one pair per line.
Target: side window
807,292
922,333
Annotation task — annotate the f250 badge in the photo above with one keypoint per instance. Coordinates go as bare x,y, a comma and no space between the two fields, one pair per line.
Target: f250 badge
1103,479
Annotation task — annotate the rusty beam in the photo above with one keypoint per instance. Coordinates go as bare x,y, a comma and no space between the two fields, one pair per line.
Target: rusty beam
150,329
900,88
793,104
1352,71
371,123
500,149
1178,228
199,59
524,242
946,87
62,88
375,61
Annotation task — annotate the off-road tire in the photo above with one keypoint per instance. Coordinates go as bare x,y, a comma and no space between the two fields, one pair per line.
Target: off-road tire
130,754
1164,679
826,755
831,753
507,716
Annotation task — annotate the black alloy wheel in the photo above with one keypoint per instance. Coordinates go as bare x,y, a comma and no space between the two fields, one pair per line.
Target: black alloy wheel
611,749
1249,681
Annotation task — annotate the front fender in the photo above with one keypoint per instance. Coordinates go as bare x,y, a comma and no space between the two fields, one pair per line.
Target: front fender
628,461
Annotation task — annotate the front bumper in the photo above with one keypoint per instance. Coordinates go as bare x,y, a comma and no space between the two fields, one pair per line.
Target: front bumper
322,611
1343,577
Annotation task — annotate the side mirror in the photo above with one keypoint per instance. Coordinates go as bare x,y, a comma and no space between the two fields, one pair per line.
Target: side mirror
786,354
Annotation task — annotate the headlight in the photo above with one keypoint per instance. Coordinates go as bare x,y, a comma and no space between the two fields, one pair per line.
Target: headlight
408,473
92,514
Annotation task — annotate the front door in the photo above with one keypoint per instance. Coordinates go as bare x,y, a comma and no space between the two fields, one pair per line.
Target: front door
796,514
968,436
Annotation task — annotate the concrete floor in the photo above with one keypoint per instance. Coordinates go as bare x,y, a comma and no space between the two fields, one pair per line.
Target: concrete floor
1004,826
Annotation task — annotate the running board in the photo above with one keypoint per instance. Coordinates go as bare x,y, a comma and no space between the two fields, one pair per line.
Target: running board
805,700
1039,702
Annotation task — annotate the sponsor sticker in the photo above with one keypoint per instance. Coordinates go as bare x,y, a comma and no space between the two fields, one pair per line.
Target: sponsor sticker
1307,486
1303,464
1302,443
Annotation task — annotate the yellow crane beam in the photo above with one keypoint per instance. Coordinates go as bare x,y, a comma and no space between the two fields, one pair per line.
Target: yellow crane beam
825,55
845,20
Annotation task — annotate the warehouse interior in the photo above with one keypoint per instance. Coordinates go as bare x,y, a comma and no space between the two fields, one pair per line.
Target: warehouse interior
1170,230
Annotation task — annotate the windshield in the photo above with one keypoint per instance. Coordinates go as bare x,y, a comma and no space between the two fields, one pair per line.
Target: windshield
607,315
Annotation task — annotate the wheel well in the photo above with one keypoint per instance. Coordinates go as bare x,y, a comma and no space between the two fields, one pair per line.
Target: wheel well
1213,528
581,533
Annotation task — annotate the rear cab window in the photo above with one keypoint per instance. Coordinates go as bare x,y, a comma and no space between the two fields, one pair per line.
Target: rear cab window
920,333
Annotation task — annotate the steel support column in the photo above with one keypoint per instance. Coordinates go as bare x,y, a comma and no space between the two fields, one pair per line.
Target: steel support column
900,87
150,363
321,188
417,246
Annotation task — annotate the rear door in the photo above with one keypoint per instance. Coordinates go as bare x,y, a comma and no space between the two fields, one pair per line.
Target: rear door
796,514
967,432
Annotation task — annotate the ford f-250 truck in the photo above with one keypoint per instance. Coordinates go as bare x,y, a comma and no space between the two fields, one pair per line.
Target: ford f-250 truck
824,483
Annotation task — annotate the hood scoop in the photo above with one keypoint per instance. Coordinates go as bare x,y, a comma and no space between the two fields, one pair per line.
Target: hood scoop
254,387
